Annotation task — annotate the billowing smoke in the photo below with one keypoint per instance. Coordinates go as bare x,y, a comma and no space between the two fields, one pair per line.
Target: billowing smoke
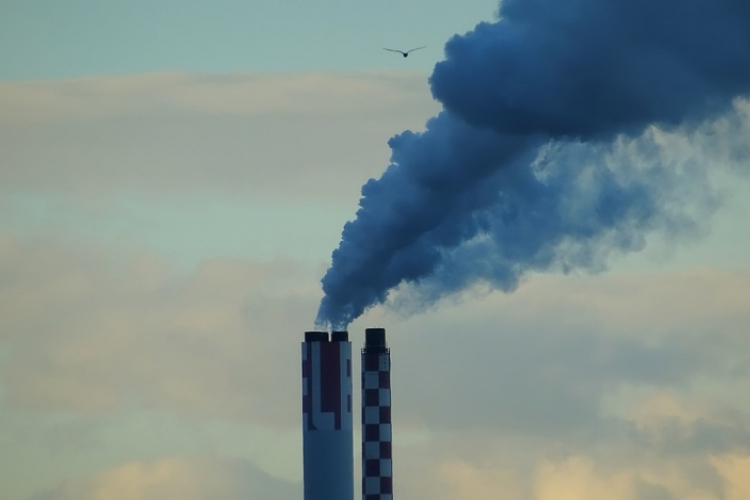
546,154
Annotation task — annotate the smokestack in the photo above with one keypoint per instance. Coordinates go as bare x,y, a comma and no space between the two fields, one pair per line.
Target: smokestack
377,468
327,416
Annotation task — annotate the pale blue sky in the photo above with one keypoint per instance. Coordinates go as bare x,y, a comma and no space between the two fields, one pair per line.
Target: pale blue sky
57,39
187,231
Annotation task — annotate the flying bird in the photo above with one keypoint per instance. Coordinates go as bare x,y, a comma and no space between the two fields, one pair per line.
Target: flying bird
405,54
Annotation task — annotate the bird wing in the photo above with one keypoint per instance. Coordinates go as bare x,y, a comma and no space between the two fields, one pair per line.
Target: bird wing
394,50
412,50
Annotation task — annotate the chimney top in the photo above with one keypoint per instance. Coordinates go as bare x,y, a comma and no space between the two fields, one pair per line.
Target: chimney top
375,337
341,336
316,336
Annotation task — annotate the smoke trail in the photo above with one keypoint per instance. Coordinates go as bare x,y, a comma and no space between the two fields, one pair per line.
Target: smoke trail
522,170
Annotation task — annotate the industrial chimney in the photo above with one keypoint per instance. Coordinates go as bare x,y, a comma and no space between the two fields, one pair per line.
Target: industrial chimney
377,469
327,416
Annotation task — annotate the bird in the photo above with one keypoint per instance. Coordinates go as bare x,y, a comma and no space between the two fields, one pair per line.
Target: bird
405,54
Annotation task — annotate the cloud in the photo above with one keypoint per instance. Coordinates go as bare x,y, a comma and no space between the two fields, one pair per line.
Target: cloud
263,94
675,424
184,478
85,337
443,475
735,469
464,481
556,357
496,383
577,479
290,136
623,385
554,361
623,382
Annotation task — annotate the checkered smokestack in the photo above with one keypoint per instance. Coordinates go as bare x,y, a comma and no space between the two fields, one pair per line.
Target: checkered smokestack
327,442
377,469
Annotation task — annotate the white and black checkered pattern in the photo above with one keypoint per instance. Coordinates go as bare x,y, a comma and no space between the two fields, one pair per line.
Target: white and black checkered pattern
377,469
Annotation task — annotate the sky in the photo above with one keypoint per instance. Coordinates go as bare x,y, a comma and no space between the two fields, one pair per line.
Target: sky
173,179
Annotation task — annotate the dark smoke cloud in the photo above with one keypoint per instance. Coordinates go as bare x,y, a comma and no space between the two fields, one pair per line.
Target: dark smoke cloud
591,68
524,169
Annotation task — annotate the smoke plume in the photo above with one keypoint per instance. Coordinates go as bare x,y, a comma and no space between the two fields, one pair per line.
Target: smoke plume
545,156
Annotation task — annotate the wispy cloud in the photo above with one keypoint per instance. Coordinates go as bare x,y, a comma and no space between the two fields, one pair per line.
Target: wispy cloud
181,478
298,135
241,94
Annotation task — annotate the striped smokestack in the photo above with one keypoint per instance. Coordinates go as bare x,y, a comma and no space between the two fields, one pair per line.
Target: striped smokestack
377,469
327,416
